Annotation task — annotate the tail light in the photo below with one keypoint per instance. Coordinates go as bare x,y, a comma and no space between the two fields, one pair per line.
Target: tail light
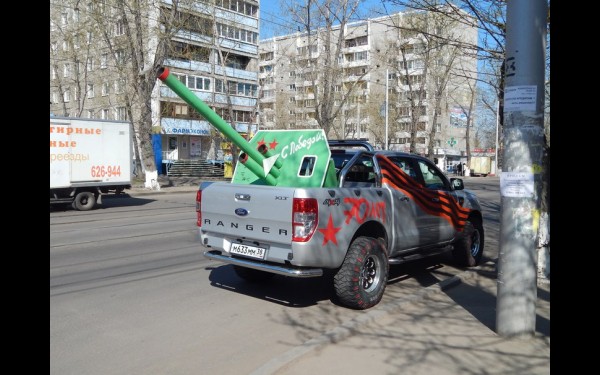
199,208
305,217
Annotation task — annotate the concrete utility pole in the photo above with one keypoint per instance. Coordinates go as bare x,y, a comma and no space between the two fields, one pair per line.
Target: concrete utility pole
521,177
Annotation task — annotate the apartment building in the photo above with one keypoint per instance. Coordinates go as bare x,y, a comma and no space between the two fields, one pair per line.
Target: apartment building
430,83
212,48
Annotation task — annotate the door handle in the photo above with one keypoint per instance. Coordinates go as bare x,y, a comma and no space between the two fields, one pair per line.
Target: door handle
435,199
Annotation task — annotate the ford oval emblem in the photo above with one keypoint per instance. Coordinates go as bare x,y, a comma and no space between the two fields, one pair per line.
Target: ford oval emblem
241,211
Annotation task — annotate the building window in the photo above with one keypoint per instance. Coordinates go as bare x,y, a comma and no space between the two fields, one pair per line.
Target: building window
104,61
266,56
120,27
438,127
65,45
267,94
360,41
54,97
292,87
64,18
105,88
120,57
89,64
90,113
121,114
66,70
105,114
291,99
232,32
67,96
247,89
90,90
198,83
89,37
267,81
119,86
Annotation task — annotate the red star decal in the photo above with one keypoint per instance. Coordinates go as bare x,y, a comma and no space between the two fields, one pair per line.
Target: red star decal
273,144
329,232
261,142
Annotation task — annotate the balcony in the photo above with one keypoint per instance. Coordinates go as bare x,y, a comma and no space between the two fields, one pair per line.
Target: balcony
195,66
236,73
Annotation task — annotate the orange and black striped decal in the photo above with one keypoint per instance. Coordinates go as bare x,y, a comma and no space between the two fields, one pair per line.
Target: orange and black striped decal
446,207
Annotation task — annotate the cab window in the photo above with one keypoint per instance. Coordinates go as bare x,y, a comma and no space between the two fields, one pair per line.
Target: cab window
431,176
404,164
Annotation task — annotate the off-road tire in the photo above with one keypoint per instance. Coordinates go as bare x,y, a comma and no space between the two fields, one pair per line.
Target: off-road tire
362,278
252,275
468,251
84,201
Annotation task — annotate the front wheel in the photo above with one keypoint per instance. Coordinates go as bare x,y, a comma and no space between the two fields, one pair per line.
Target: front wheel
84,201
361,280
468,250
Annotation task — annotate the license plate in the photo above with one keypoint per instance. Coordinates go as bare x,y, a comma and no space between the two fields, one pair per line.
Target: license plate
249,251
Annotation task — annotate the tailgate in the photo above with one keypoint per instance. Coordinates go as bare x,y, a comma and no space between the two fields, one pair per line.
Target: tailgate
251,212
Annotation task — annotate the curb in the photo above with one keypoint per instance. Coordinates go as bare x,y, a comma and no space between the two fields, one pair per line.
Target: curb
348,328
138,191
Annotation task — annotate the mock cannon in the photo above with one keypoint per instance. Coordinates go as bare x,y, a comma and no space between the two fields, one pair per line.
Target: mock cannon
295,158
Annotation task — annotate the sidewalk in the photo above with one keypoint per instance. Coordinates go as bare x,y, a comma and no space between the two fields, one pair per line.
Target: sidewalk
448,329
168,185
445,329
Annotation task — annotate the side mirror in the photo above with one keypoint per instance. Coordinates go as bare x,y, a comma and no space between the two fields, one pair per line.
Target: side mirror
457,183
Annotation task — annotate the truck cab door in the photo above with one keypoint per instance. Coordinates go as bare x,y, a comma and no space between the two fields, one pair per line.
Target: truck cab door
437,203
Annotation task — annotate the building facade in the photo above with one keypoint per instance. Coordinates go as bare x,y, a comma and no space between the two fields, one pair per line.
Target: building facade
211,46
419,60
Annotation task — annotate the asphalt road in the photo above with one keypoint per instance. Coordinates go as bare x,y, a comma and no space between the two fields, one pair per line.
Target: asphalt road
131,293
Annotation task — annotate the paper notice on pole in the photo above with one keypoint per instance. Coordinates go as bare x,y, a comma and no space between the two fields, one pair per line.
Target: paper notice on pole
520,98
516,184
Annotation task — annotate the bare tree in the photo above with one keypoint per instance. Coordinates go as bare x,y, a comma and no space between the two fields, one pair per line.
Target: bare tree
323,25
490,18
71,60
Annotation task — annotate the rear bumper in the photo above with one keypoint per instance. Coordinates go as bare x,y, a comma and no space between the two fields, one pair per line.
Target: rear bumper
277,269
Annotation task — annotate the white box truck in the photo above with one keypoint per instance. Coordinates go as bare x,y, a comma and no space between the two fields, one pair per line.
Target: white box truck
480,166
88,158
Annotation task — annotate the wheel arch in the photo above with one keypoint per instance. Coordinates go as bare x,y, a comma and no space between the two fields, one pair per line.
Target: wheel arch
476,215
373,229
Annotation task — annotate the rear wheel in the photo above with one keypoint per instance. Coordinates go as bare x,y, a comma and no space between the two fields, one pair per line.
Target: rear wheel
252,275
84,201
468,251
361,280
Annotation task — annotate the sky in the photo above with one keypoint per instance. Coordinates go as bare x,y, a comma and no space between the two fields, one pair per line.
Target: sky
275,21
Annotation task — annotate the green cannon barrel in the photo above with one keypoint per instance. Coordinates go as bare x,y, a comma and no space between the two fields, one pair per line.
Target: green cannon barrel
264,150
189,97
256,169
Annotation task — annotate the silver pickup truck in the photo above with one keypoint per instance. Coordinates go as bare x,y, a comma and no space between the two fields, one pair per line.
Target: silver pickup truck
390,207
